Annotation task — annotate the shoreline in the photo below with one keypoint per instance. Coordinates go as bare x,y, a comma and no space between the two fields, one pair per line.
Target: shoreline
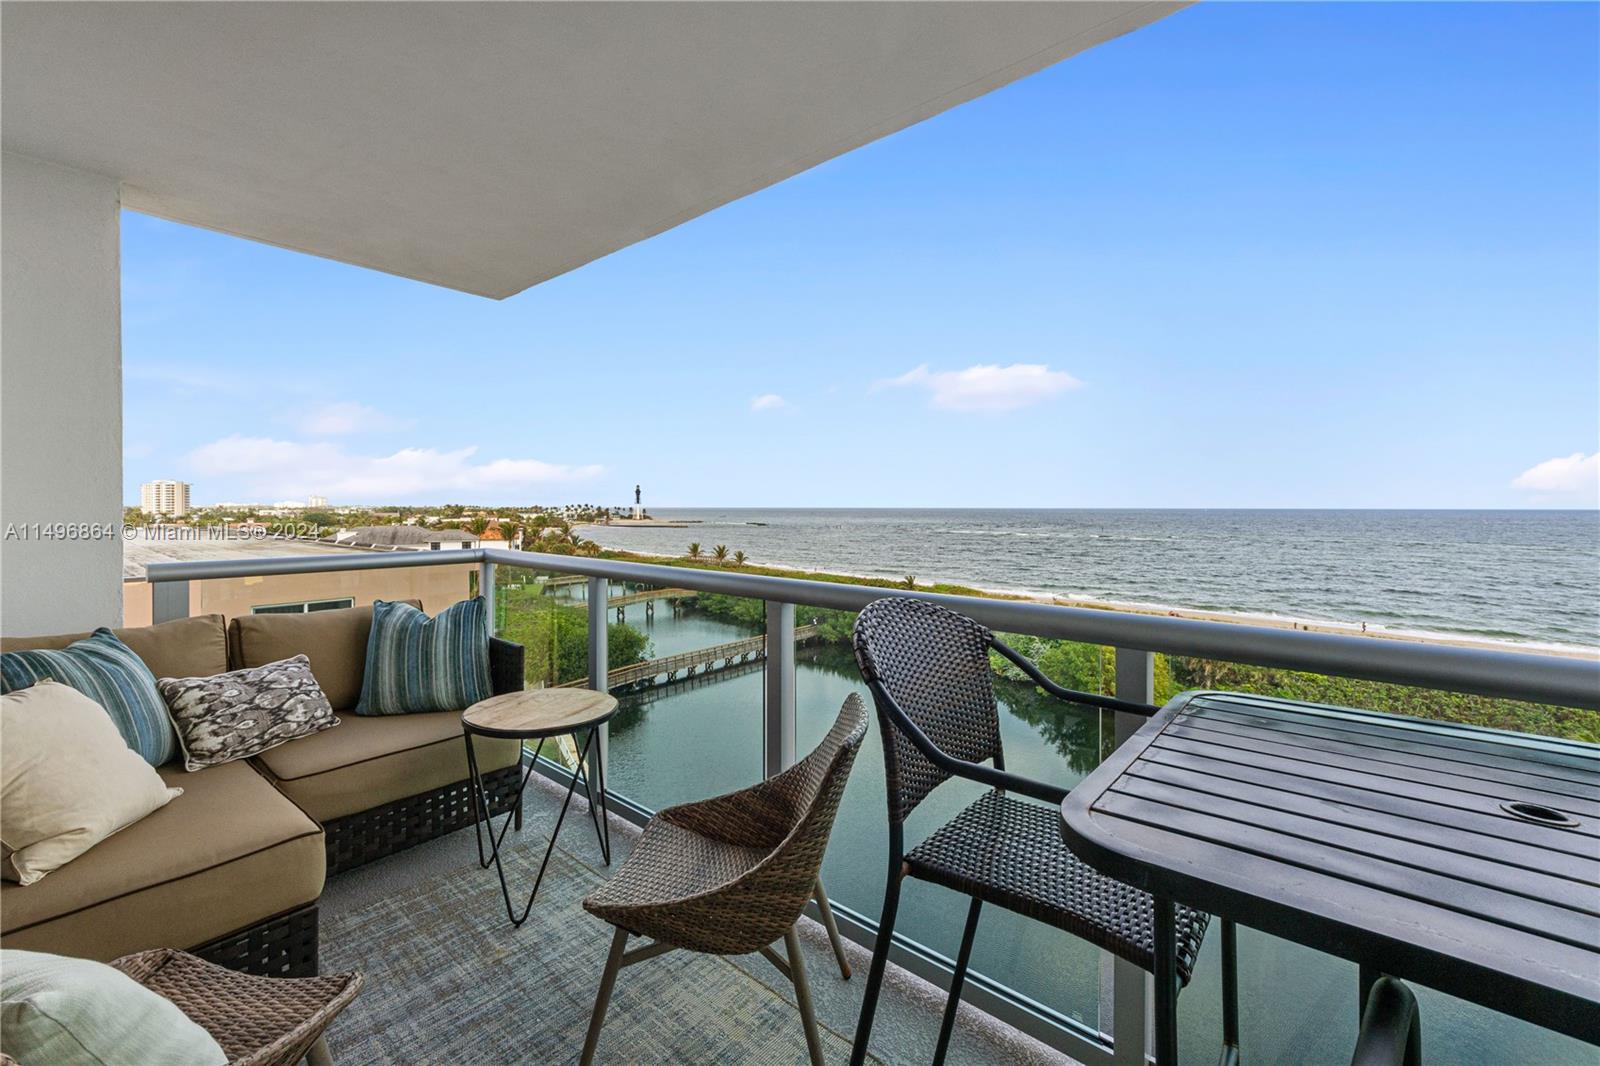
1271,621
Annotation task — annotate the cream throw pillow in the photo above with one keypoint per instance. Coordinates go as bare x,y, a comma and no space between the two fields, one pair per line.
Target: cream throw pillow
67,780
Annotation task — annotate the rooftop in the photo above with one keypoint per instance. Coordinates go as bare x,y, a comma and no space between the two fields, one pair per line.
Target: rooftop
401,536
184,544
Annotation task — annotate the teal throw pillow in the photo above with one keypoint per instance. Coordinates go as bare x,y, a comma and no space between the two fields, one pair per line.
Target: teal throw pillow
109,672
416,663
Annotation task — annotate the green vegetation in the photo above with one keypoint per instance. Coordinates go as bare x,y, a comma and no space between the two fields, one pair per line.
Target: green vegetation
555,635
1092,668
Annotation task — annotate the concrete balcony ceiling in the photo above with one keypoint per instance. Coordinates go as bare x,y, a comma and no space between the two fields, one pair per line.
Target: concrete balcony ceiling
490,146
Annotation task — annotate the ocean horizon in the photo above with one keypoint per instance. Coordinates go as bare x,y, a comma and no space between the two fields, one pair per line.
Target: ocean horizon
1520,576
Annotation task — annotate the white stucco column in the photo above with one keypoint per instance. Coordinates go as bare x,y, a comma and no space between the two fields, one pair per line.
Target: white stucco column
60,396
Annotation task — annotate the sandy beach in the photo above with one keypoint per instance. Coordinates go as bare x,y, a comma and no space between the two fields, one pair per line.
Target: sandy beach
1346,629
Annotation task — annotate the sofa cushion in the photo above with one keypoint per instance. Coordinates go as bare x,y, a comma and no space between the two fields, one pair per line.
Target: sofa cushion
187,647
227,854
367,762
108,672
334,641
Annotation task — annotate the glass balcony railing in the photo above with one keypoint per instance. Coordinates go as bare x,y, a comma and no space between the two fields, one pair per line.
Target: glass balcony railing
689,681
725,676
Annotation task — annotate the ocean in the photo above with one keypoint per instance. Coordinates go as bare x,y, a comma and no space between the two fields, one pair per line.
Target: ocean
1522,576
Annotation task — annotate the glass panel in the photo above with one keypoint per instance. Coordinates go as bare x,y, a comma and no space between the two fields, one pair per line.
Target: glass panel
690,725
548,615
1570,723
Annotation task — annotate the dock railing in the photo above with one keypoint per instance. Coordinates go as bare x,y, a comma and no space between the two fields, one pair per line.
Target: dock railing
1535,678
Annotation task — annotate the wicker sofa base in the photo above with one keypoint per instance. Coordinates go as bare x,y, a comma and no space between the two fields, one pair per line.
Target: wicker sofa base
361,838
285,946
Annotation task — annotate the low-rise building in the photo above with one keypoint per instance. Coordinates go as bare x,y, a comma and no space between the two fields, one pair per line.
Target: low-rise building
437,587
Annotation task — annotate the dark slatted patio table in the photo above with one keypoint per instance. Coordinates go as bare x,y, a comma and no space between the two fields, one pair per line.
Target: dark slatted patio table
1465,859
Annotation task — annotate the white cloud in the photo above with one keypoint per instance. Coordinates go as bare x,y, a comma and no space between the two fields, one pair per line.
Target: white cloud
341,419
987,387
768,401
264,469
1574,477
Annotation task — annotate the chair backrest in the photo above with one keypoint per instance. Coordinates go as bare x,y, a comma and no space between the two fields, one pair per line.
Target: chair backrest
818,782
934,664
775,892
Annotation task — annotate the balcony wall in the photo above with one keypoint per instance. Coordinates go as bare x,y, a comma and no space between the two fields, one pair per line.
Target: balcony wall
436,587
61,409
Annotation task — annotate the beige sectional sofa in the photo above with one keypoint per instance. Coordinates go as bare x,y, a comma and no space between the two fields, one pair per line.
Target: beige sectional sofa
233,868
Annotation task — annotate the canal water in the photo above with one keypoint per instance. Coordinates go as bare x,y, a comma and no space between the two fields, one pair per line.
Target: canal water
684,742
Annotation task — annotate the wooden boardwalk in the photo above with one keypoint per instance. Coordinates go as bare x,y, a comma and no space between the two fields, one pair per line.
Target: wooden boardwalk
651,594
693,663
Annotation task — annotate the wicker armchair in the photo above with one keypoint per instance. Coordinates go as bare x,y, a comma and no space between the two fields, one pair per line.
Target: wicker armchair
259,1021
732,874
930,676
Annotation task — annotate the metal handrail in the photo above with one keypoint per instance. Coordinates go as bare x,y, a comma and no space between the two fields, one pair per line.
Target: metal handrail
1562,681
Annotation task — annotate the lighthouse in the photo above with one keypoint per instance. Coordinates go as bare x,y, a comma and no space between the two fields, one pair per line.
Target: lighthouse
638,508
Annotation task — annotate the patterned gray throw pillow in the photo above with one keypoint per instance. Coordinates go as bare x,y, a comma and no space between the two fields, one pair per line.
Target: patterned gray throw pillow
246,712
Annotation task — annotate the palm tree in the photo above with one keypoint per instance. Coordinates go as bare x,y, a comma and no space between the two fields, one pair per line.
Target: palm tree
738,558
694,550
720,552
910,581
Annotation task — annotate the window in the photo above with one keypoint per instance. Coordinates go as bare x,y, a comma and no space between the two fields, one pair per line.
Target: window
304,607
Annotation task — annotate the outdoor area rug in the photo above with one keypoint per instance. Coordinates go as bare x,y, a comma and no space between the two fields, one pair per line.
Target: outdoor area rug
448,980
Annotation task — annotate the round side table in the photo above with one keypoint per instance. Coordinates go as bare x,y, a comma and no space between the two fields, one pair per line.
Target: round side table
539,714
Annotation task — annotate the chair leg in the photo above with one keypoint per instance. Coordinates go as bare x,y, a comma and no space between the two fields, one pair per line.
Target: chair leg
1391,1028
833,930
602,998
319,1054
802,995
957,979
1230,993
880,959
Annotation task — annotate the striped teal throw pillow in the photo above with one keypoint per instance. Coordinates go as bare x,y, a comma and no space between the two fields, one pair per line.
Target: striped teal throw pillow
416,663
107,671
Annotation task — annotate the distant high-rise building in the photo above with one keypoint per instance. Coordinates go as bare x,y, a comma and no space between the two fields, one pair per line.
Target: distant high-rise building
169,499
316,503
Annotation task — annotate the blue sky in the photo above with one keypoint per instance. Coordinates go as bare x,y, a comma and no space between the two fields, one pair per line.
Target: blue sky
1255,255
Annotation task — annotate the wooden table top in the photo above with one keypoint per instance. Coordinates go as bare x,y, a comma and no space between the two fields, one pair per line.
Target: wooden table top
1465,859
539,712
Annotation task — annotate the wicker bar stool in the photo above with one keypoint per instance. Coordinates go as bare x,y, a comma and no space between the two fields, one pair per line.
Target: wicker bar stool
731,875
928,669
259,1021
